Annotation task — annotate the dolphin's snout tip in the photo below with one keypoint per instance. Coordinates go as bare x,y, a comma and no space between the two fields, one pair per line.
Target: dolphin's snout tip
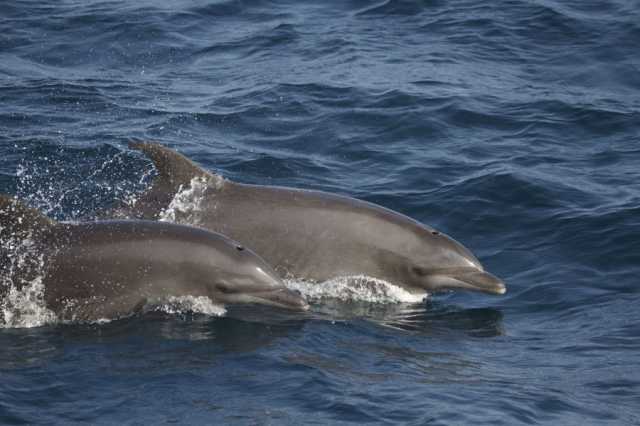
287,299
478,280
303,305
501,288
488,283
299,301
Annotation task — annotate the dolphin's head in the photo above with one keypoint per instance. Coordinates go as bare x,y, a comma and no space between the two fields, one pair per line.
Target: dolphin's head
438,262
247,279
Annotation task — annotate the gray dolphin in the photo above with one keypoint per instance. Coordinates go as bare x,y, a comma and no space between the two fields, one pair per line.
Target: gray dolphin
108,269
312,235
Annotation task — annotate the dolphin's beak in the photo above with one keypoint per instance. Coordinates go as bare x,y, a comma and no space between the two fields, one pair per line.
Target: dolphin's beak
483,281
282,298
469,279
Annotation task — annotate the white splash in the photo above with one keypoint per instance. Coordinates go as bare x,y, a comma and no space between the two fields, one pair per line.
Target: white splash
22,305
54,188
184,304
187,203
357,288
25,307
130,197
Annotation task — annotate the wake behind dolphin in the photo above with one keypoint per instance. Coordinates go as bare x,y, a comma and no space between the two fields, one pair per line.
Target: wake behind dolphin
312,235
110,269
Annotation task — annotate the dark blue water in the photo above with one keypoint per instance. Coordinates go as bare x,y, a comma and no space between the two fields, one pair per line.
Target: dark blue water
513,126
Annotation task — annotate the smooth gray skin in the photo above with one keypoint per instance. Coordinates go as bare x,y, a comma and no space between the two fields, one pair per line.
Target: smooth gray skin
315,235
110,269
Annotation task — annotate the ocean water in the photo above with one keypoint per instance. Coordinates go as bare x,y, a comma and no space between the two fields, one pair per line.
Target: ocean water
513,126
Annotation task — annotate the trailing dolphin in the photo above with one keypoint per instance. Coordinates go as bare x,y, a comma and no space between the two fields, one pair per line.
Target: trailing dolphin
109,269
311,235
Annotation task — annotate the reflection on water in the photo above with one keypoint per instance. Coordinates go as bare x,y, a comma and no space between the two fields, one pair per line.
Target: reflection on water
429,318
28,347
247,329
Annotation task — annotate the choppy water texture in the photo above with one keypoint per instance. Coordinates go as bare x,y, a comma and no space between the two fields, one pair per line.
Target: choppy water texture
514,126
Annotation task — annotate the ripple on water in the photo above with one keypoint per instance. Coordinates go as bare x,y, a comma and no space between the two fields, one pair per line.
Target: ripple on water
512,126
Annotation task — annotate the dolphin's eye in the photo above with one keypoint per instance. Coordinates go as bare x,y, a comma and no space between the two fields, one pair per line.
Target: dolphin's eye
239,248
224,288
421,272
435,232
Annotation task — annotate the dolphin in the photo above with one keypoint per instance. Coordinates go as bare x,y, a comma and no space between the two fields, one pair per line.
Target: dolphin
310,235
110,269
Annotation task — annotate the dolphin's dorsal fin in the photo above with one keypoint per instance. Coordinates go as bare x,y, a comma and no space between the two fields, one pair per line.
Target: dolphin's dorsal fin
18,220
174,169
175,172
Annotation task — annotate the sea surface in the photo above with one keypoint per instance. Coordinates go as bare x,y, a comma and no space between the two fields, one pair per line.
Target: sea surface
513,126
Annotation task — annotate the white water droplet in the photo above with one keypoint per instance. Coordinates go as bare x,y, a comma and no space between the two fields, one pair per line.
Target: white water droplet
358,288
186,205
184,304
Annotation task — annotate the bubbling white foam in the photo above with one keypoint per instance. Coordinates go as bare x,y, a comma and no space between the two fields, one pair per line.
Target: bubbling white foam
356,288
184,304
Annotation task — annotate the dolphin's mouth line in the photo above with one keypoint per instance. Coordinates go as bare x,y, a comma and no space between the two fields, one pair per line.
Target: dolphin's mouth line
467,278
282,298
455,270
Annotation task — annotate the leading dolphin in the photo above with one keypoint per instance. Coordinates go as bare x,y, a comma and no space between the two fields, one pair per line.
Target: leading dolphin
108,269
311,235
